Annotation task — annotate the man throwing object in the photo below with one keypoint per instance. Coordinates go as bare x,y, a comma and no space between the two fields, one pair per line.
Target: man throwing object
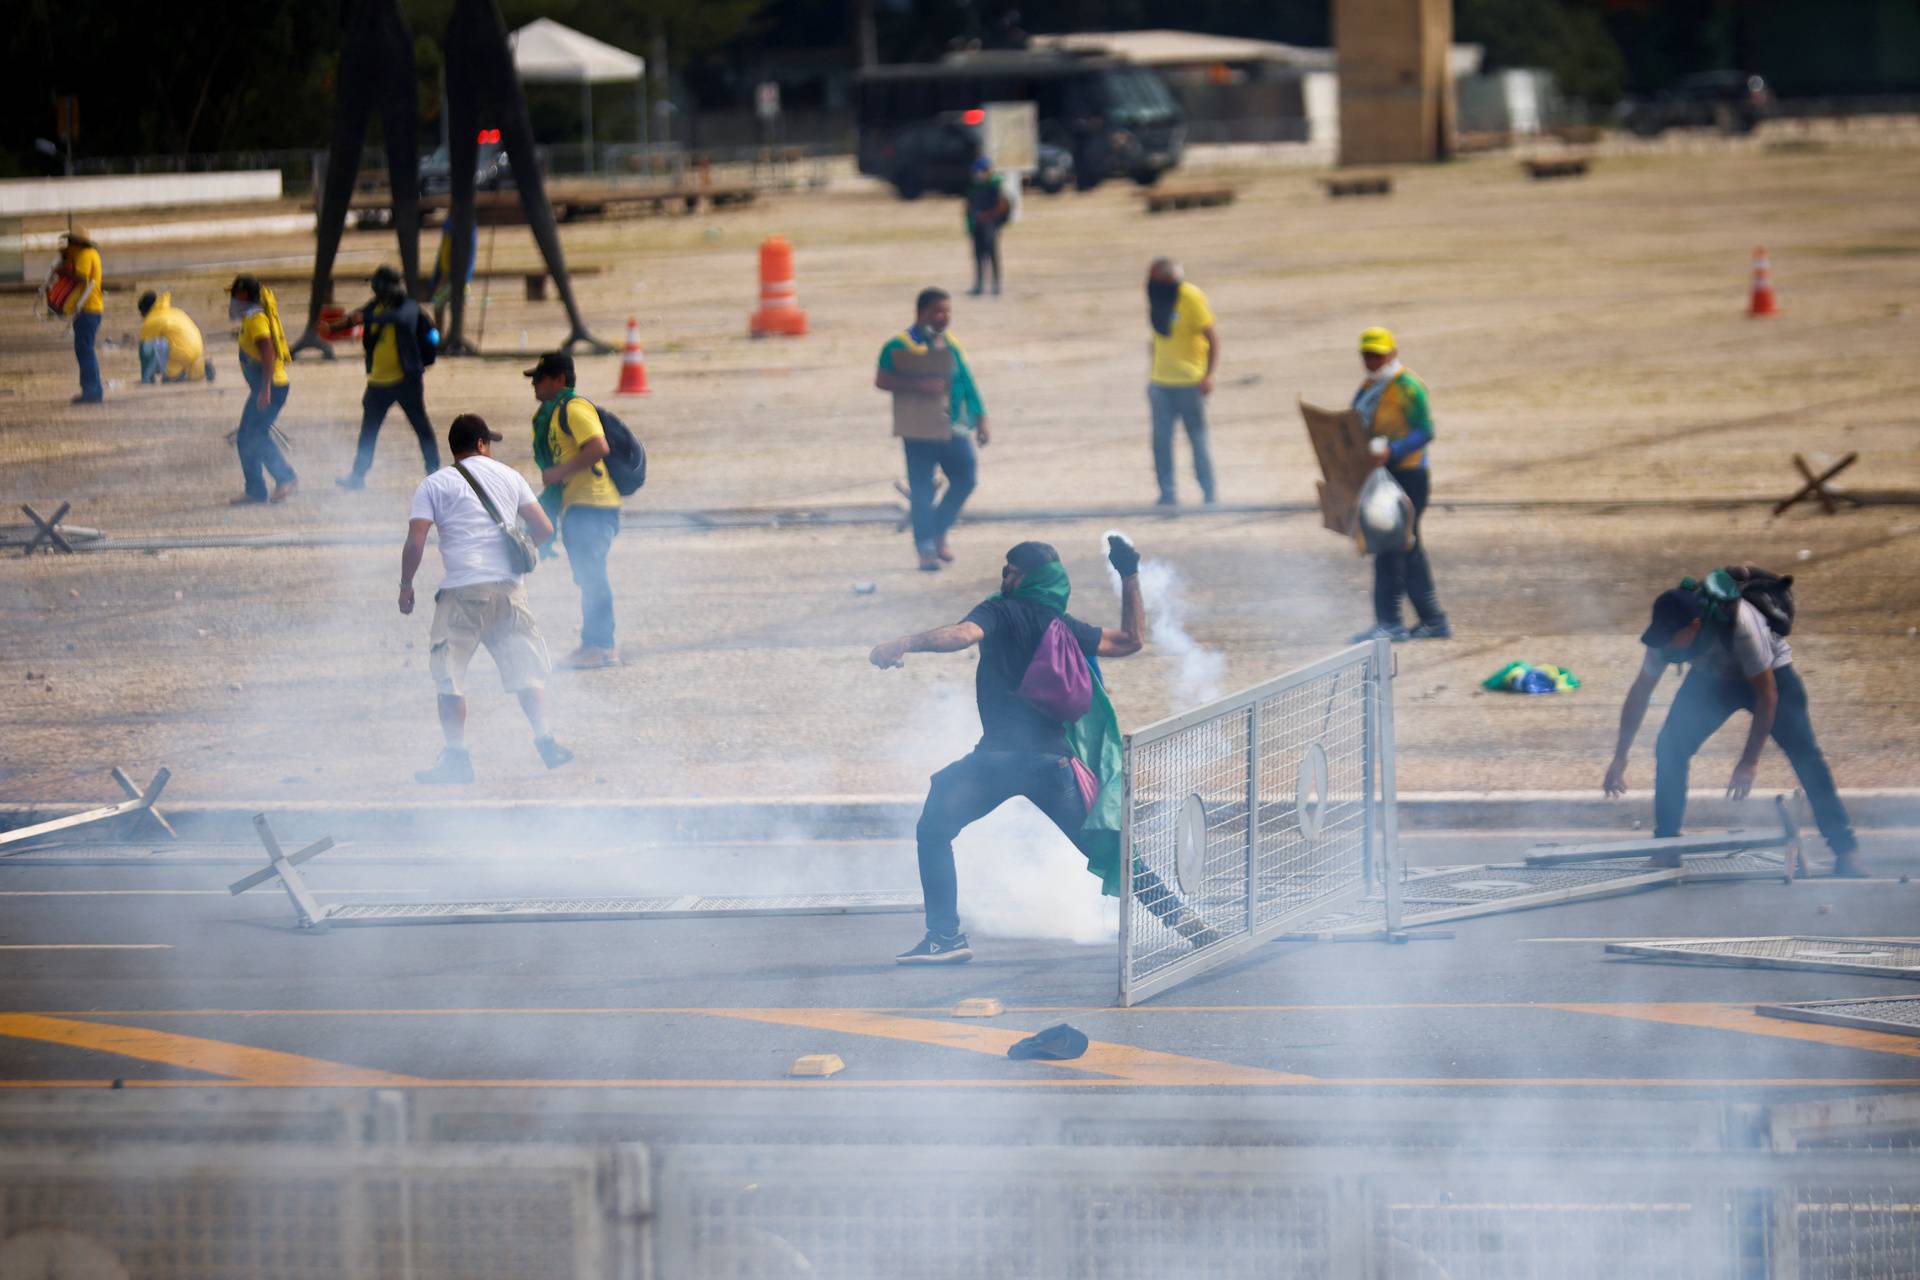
1034,655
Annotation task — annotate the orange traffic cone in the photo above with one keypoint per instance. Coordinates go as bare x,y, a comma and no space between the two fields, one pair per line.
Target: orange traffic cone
779,296
1762,303
633,364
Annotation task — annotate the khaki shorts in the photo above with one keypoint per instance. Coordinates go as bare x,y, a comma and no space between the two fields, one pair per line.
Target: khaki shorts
493,614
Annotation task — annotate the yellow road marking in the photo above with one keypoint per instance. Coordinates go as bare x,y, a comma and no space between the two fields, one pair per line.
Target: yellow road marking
1123,1062
216,1057
1723,1017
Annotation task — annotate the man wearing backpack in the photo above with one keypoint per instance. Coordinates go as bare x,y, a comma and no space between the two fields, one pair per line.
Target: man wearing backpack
1033,664
400,343
571,447
481,600
1737,662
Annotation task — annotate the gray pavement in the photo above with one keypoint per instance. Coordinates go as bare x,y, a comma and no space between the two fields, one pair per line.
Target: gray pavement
153,974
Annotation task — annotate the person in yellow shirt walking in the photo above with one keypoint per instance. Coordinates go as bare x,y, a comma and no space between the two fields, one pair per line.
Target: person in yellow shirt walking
171,349
80,260
570,447
1185,350
398,340
263,362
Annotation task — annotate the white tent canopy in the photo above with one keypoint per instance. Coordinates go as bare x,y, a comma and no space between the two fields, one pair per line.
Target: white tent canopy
545,52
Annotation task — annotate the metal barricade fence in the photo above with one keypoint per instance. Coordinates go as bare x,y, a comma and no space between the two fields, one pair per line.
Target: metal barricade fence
1251,812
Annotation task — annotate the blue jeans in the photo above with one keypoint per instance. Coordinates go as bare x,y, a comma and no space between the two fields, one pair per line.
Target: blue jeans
1187,405
410,395
968,790
957,459
1705,700
588,534
258,449
86,328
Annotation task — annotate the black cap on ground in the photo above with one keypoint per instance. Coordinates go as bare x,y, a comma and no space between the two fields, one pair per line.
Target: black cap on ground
554,364
1672,610
1057,1042
468,430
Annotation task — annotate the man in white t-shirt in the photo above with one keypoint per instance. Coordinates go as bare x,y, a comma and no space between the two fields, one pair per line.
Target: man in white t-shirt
481,600
1738,663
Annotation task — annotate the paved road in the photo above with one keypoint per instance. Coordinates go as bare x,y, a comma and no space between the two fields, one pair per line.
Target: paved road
152,974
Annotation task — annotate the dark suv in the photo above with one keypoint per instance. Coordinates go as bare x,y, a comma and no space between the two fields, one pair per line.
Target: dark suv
1730,101
938,155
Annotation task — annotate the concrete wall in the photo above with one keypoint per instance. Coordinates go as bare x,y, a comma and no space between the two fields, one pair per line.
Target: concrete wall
135,191
1396,94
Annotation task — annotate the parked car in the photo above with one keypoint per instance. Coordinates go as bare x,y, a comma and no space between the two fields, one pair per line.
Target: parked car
1730,101
492,171
938,155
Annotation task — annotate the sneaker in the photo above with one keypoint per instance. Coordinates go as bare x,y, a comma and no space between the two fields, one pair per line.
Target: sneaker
281,492
1846,866
453,765
1435,630
247,500
586,658
944,551
1195,929
552,752
929,562
352,480
934,949
86,399
1167,500
1395,633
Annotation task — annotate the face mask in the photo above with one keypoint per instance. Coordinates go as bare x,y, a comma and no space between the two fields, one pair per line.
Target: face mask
236,309
1161,297
1385,371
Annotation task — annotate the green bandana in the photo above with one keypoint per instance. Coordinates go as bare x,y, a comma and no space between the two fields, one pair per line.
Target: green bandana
1094,740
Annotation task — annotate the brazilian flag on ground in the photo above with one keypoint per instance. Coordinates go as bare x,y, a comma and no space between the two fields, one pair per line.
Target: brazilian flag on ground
1094,740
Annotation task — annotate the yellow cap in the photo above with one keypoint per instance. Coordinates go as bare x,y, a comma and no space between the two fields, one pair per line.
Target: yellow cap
1377,342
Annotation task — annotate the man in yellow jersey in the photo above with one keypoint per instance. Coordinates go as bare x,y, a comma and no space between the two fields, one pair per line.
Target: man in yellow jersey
1185,350
80,258
392,333
171,348
570,447
263,362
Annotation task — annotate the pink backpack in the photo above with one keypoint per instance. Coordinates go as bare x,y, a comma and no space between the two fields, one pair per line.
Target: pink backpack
1058,681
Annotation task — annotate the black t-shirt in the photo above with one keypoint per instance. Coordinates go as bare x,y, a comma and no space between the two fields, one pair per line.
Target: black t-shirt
1008,722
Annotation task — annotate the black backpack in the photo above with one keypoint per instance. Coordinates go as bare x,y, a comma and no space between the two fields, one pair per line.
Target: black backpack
426,336
1770,593
626,460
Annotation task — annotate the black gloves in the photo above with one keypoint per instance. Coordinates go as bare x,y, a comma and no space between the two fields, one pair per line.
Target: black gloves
1121,555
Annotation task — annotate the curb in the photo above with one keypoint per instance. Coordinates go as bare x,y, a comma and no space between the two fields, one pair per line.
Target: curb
891,817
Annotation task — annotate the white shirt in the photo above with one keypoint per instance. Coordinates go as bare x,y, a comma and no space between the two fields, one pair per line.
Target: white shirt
471,545
1750,648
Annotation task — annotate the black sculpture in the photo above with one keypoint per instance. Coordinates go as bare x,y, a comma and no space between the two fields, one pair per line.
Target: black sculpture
376,65
376,68
482,83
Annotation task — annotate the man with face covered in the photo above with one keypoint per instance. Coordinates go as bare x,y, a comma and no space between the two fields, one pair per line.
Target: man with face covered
1071,771
396,370
1184,351
1736,662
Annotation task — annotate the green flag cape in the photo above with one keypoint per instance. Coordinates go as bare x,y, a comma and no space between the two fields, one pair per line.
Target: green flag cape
1094,739
543,452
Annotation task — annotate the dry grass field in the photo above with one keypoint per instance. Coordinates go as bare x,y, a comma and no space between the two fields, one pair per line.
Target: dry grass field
1598,388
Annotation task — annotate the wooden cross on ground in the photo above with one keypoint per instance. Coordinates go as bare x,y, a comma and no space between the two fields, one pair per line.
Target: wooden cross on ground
1816,486
48,531
138,803
281,866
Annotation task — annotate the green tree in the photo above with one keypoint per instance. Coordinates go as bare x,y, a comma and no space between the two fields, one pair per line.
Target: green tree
1567,37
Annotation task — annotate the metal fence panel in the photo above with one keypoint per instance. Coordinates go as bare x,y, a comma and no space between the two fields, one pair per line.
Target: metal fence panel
253,1212
1254,811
